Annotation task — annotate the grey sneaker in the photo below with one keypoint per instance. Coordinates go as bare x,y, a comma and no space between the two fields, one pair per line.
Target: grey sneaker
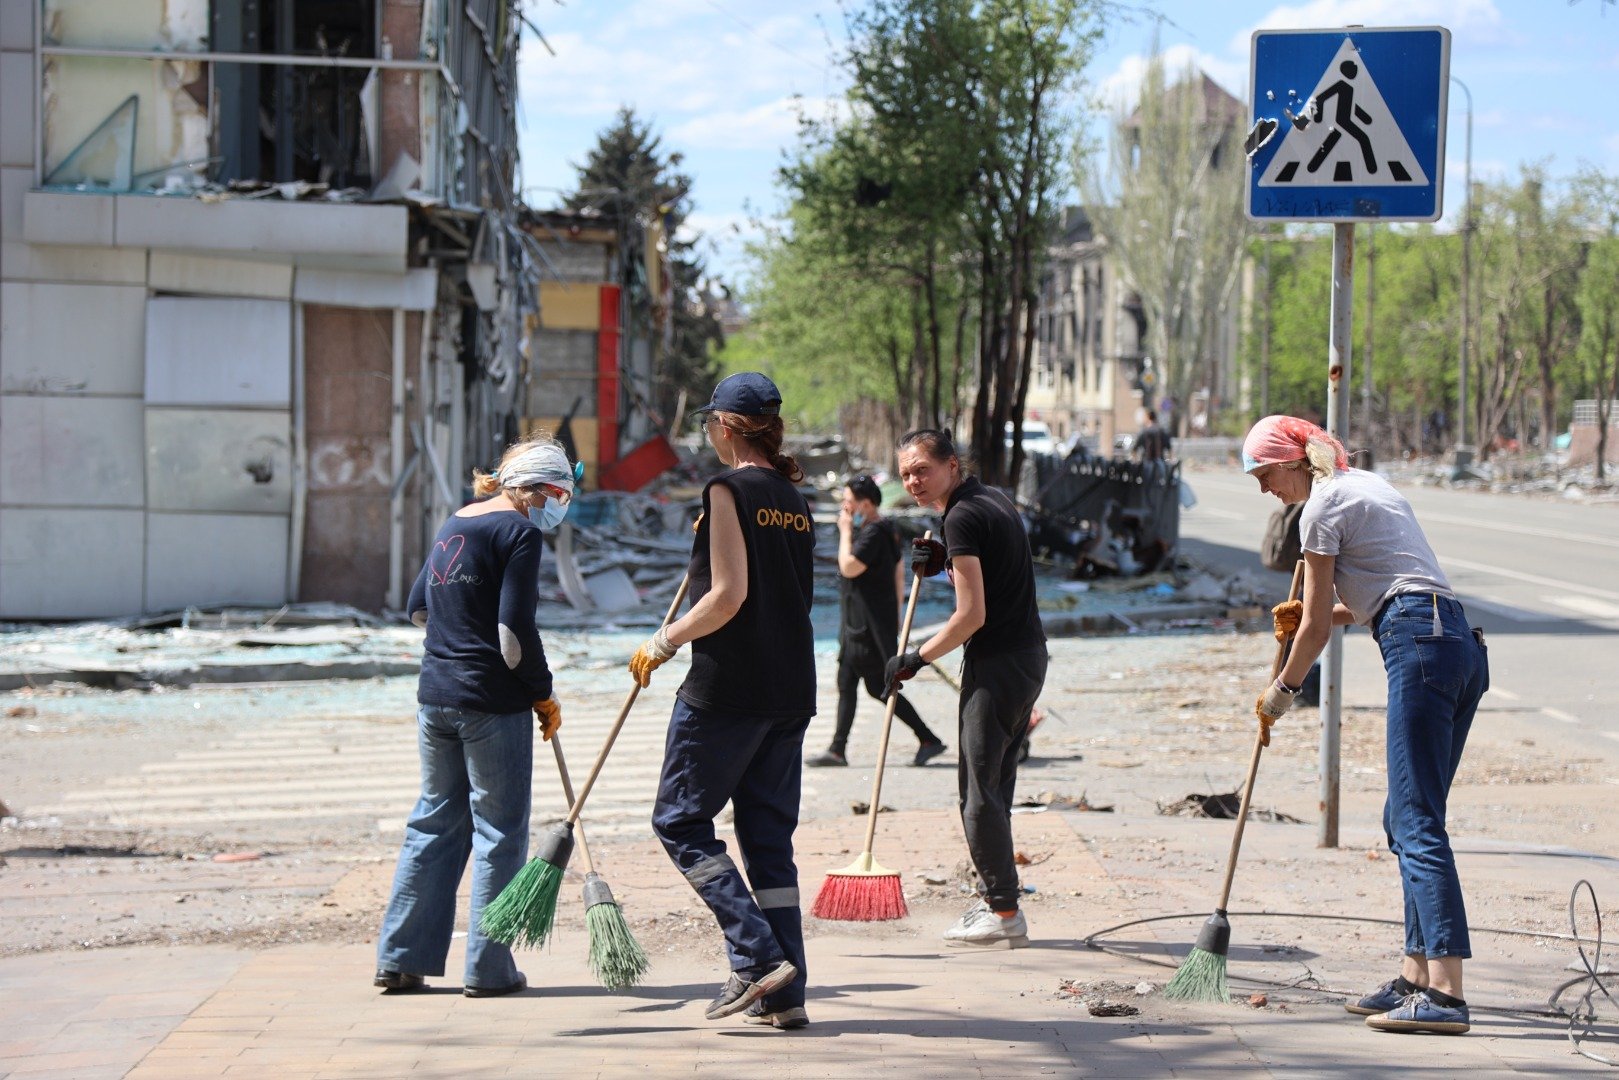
983,929
1381,1000
744,988
1419,1014
785,1019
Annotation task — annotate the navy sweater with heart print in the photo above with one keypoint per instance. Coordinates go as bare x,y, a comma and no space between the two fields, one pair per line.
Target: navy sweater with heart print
476,595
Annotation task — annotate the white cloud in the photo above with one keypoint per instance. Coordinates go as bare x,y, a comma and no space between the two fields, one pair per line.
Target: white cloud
1479,20
760,127
1121,88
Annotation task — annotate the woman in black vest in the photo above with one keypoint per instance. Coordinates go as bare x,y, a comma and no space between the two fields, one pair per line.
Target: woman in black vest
737,732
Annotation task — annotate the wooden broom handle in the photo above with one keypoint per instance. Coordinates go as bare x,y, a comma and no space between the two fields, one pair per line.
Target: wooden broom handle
1293,593
567,793
623,714
888,710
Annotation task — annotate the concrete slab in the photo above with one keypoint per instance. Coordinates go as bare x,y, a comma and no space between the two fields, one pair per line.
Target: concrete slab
103,438
212,559
71,339
309,234
102,546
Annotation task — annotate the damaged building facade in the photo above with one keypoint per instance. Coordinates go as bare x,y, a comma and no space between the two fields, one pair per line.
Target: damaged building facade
263,295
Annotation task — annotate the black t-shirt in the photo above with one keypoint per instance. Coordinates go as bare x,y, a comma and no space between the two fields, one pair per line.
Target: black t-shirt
870,605
1153,442
476,590
761,663
980,521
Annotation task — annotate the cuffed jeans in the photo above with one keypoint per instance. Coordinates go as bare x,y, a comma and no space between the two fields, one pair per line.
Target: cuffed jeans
997,696
756,765
857,664
476,776
1437,672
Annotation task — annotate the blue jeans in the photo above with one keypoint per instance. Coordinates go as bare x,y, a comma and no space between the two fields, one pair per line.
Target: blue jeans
476,776
756,765
1437,672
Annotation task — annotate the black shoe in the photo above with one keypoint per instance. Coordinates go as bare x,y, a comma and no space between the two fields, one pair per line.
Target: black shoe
398,981
927,752
829,757
497,991
743,989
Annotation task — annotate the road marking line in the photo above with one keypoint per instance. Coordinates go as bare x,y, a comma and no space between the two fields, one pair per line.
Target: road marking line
1504,692
1533,579
1559,714
1516,614
1522,530
1587,606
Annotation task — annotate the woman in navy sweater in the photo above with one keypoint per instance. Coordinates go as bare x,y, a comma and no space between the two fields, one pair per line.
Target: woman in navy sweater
483,672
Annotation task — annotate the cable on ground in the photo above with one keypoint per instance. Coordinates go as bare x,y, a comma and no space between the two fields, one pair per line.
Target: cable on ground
1582,1017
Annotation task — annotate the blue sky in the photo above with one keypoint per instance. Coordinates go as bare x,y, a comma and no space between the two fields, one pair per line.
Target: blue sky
722,81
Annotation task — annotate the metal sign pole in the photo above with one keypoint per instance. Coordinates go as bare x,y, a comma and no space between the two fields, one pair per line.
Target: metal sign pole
1332,662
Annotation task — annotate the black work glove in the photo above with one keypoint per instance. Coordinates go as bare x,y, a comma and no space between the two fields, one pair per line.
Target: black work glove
901,667
927,557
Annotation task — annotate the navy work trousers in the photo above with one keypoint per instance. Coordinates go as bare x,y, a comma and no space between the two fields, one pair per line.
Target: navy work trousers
756,765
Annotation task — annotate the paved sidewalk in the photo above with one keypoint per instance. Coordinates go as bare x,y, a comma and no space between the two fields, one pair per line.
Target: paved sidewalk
883,996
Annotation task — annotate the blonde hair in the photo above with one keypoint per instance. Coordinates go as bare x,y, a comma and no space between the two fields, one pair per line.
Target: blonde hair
1321,458
487,484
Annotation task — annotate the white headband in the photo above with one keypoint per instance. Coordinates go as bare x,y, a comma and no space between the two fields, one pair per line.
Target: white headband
542,464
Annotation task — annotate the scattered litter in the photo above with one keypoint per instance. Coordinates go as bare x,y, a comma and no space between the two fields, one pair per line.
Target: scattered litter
1098,998
1223,806
238,856
1144,988
932,877
860,808
18,712
1048,800
1030,860
1258,1001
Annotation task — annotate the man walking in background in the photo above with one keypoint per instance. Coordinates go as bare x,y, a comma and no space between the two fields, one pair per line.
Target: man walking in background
871,582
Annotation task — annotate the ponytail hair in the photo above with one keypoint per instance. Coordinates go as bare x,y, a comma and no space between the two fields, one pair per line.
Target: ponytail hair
487,484
766,433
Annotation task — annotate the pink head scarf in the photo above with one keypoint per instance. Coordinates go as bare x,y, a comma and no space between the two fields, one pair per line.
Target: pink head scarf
1276,439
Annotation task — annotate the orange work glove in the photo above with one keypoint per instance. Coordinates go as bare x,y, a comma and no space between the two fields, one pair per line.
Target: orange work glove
1287,616
549,714
649,657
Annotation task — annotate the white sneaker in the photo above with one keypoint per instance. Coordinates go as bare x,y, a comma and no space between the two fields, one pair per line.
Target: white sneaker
983,929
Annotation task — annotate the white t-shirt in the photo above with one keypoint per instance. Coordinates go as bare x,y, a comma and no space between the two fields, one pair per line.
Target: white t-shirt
1370,528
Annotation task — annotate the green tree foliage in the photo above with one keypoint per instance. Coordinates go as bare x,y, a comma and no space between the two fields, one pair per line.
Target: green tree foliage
628,175
1527,257
1597,198
930,199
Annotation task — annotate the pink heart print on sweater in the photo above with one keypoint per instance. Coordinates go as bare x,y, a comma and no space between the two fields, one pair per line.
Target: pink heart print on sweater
442,577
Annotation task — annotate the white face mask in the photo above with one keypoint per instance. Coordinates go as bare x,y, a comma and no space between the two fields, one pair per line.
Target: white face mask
858,520
549,516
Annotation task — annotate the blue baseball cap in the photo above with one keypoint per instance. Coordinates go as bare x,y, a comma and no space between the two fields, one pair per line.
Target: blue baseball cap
747,393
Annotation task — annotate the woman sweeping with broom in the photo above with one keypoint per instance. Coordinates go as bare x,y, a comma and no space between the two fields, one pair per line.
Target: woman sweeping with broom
1362,541
1002,672
737,732
483,671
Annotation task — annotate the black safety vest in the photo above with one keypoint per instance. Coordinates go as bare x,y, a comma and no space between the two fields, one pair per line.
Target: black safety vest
761,663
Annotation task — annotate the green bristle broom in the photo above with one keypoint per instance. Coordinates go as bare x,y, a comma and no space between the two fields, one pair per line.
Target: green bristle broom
616,958
1201,976
523,913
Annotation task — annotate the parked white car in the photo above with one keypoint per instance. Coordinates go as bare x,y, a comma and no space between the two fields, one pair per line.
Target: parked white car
1036,438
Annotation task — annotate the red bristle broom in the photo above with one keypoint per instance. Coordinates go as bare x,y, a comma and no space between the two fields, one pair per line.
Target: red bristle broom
865,890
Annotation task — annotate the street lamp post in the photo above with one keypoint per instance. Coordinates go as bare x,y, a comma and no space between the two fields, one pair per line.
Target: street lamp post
1463,454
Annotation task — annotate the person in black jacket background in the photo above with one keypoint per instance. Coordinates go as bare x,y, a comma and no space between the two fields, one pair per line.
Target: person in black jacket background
871,587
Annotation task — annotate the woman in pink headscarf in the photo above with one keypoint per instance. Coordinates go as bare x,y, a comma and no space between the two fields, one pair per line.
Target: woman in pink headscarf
1367,562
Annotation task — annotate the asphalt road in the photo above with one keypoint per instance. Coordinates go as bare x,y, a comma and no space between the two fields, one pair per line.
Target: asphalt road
1540,575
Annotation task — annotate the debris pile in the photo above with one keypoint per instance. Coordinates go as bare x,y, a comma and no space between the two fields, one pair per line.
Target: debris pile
1225,805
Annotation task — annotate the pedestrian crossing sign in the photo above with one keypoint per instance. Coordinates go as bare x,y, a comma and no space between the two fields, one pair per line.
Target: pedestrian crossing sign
1349,125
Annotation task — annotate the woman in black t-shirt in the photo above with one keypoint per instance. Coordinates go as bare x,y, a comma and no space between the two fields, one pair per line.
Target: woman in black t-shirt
483,670
1002,672
737,732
